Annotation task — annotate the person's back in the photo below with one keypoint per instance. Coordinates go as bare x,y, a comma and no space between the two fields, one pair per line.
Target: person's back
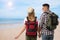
45,23
31,25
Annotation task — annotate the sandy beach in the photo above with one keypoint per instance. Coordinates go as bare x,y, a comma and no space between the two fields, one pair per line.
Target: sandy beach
10,33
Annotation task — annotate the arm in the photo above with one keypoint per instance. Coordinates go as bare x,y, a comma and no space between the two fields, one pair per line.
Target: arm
42,19
38,31
21,31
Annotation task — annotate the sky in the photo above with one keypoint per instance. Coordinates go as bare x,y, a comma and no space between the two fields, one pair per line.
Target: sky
18,8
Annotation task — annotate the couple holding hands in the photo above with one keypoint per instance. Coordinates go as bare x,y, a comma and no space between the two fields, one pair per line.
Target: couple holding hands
45,28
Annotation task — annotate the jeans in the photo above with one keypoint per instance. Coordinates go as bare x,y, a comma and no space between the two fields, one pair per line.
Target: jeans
47,37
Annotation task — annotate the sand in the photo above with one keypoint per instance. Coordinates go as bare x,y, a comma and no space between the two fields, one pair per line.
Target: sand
12,32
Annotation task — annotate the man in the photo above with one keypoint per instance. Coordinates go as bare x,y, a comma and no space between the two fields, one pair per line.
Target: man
45,23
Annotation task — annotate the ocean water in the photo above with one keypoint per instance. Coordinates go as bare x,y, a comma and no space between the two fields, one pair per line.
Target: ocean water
10,21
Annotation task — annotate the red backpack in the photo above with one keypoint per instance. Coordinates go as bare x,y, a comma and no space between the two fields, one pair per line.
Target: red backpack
31,27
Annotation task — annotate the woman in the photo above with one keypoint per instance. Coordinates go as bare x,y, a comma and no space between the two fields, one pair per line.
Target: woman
31,26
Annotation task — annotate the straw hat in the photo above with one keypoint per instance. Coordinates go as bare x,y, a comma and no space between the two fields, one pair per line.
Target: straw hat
30,9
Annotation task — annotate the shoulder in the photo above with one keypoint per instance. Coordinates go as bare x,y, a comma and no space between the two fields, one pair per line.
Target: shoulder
25,19
55,15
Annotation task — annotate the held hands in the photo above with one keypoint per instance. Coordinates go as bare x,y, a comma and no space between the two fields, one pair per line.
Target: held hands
39,34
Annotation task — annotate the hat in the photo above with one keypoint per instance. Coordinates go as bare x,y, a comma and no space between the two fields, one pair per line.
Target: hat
30,9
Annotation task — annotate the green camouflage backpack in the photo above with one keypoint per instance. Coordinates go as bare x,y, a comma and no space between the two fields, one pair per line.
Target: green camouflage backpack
52,21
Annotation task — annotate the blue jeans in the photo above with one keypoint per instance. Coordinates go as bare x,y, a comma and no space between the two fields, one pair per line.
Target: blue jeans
47,37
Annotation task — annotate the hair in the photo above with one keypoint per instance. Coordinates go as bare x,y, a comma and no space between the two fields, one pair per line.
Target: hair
46,5
31,14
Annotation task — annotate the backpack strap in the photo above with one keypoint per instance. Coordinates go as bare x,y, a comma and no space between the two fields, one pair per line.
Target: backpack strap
33,21
27,19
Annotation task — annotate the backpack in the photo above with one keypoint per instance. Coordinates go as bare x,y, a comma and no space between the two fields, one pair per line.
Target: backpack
31,27
52,21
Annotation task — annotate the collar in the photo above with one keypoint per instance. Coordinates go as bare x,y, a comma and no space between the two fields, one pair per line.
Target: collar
48,11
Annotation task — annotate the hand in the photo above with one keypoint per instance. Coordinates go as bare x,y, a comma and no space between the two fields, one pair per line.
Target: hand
16,37
39,35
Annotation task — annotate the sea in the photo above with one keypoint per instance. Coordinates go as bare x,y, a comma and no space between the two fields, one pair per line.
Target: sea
11,21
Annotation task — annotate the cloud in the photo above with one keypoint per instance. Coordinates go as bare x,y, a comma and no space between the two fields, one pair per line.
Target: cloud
40,2
18,8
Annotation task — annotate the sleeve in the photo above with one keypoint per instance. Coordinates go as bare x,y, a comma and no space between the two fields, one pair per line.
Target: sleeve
42,20
25,20
46,22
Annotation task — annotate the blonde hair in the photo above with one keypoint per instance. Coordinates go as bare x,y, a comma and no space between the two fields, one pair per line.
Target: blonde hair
31,13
